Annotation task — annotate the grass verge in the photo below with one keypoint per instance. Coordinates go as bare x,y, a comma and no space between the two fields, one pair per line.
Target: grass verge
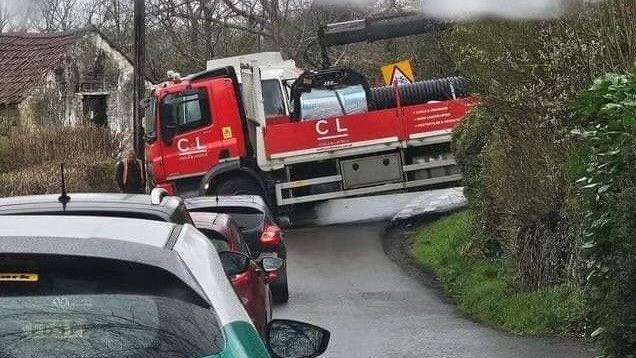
484,289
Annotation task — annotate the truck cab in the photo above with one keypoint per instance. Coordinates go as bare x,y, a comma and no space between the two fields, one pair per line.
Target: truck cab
191,125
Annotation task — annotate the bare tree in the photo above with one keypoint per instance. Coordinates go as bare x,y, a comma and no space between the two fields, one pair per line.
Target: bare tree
56,15
6,16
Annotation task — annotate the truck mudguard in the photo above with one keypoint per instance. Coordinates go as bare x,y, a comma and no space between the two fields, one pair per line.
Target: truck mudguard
227,167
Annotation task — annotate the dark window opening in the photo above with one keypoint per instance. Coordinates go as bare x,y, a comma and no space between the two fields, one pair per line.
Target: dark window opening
96,109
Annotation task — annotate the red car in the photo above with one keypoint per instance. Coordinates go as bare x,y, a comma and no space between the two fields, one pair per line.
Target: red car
258,226
250,279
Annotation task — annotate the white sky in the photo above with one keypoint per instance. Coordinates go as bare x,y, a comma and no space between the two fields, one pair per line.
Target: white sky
495,8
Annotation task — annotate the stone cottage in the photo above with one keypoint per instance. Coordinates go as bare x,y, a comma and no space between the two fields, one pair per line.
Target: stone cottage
64,79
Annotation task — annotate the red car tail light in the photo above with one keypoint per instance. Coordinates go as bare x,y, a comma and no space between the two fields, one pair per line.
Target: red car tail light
271,236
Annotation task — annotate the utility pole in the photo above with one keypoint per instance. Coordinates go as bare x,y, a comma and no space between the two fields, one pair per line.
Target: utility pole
139,82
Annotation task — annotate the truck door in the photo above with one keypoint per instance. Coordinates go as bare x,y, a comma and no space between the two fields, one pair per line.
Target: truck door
188,133
195,129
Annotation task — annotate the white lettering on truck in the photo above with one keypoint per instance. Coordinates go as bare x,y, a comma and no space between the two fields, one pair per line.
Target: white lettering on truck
324,133
184,147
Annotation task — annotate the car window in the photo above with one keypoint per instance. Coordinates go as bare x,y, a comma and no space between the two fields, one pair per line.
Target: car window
219,242
236,233
80,307
245,217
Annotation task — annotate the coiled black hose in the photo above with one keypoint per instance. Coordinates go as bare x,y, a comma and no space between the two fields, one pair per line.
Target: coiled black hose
419,92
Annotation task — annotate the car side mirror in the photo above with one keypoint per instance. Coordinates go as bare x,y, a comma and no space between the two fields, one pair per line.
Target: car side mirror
293,339
271,266
234,263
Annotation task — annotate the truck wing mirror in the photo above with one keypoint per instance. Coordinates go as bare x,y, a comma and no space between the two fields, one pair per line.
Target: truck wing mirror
168,129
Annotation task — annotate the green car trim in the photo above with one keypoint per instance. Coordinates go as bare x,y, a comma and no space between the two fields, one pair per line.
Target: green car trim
242,341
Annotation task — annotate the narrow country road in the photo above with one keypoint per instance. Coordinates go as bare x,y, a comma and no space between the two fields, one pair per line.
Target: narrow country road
341,279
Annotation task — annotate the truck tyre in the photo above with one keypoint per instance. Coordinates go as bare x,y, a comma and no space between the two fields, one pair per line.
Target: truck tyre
238,186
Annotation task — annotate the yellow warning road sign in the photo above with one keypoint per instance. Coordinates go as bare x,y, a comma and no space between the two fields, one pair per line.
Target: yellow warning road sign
400,71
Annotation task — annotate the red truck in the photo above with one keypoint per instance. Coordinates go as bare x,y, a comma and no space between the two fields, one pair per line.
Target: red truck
332,136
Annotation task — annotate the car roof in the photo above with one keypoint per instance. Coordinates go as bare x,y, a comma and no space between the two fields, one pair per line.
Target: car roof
134,203
132,240
251,201
179,249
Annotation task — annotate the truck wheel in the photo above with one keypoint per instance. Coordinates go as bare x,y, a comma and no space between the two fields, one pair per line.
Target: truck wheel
237,186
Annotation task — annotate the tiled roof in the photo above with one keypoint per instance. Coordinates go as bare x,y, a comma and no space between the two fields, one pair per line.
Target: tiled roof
26,58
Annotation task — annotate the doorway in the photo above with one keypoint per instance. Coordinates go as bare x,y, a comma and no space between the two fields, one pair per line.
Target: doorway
95,108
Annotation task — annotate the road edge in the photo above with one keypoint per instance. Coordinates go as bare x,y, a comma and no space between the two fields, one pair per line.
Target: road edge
396,244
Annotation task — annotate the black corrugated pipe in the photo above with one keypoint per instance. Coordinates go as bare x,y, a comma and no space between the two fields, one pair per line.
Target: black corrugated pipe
419,92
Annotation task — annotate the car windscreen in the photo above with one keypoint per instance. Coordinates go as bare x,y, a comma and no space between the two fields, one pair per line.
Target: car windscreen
246,218
62,306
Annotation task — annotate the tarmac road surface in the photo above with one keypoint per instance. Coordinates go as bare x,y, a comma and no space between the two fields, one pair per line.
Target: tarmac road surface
341,279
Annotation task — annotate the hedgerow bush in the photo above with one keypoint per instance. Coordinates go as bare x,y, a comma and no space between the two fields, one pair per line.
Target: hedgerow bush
608,115
521,160
26,147
30,160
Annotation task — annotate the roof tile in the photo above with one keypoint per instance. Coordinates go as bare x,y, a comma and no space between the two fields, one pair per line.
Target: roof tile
26,58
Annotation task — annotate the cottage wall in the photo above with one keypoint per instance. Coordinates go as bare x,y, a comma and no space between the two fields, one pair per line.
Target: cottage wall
9,116
92,71
105,71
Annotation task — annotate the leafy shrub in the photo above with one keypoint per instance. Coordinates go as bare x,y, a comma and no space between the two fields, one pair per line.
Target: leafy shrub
514,150
520,161
608,115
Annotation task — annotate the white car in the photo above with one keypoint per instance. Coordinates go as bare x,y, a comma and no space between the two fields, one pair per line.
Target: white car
81,286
